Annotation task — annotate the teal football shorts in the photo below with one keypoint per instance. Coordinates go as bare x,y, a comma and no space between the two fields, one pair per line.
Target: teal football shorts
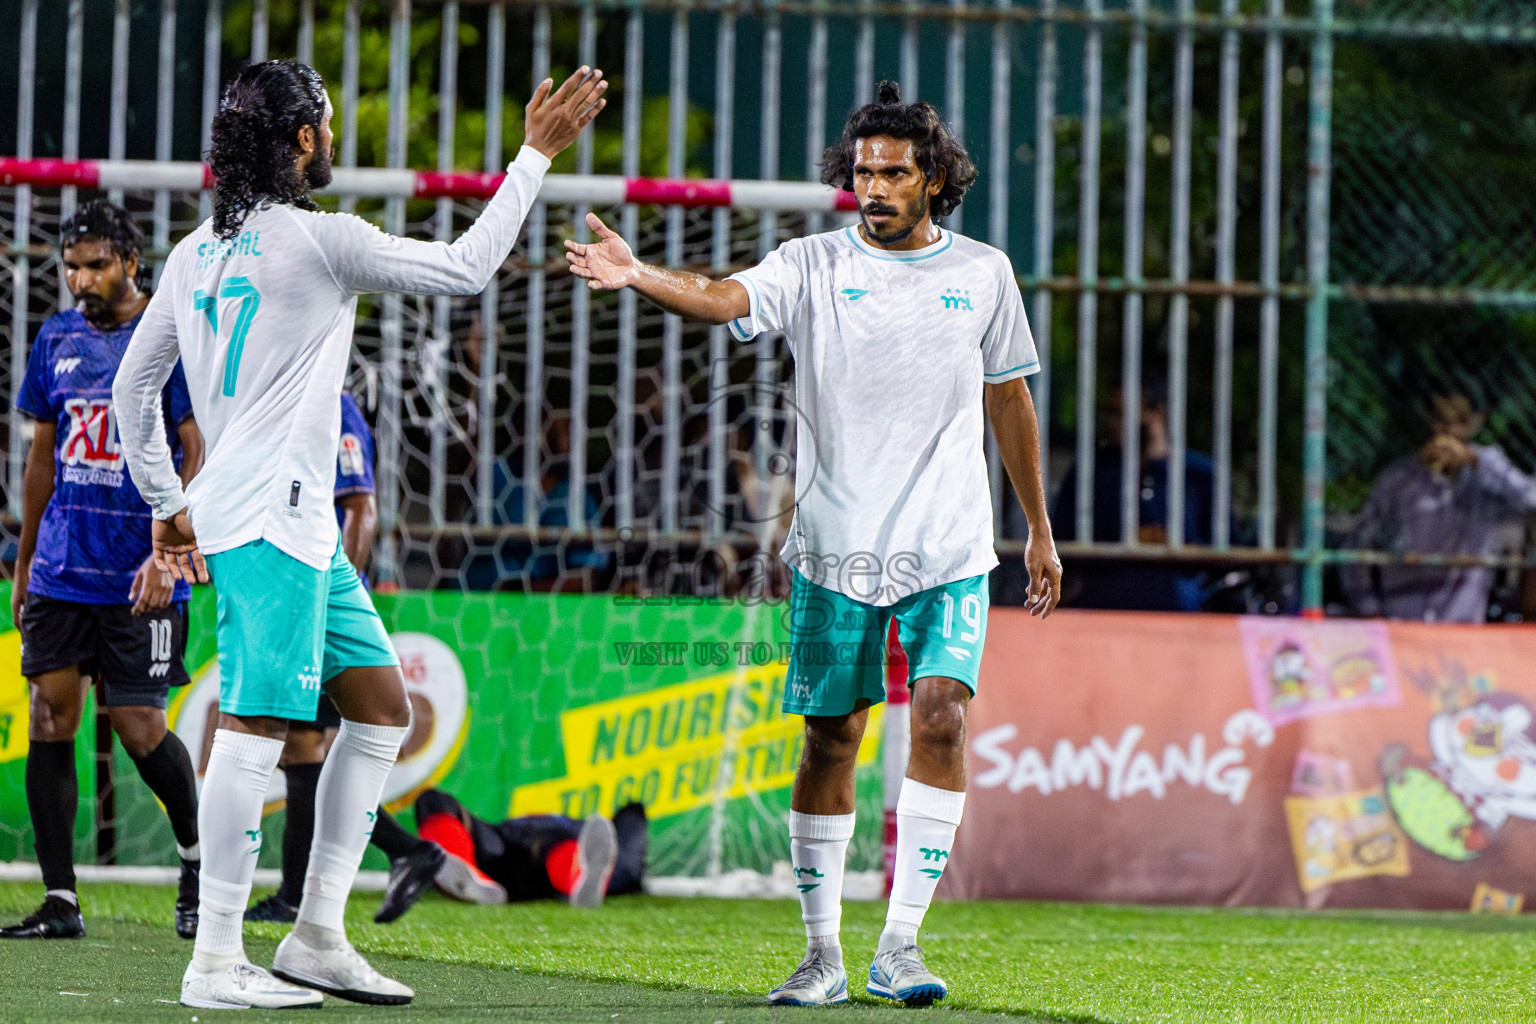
285,629
837,644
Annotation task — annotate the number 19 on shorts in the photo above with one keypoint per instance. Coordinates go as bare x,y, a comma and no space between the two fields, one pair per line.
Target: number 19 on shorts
970,614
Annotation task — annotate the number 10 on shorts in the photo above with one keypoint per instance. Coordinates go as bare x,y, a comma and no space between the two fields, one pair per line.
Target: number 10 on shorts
160,633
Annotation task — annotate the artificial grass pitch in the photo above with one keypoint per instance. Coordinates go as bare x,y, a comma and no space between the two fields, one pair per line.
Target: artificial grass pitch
654,961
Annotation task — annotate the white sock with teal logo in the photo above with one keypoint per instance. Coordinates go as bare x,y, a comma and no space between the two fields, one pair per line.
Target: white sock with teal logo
240,767
346,802
818,844
926,819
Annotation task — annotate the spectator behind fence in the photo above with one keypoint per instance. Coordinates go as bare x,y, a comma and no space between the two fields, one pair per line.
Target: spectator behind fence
546,564
1128,585
1450,498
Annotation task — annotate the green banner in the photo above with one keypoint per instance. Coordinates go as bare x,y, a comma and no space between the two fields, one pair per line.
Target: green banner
530,704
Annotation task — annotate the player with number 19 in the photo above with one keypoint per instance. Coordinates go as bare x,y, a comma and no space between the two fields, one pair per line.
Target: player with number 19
259,303
87,596
907,338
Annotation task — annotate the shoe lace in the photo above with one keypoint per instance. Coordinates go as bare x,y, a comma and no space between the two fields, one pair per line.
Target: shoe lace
813,969
244,974
909,957
354,961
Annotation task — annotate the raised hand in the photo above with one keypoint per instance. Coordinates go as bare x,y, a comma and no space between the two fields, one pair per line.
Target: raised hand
175,549
554,121
605,263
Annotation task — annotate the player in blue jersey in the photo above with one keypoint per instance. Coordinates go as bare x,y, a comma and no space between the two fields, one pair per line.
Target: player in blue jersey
414,862
87,596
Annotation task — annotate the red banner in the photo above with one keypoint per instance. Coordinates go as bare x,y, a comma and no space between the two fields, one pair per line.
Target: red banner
1263,761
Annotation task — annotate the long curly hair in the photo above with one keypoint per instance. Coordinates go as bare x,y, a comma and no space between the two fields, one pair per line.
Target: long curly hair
254,140
934,146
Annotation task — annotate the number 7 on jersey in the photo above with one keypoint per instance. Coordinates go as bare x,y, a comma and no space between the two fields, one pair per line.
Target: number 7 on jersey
250,299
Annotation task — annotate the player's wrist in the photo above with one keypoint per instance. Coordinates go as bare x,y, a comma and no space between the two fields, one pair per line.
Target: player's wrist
534,156
168,508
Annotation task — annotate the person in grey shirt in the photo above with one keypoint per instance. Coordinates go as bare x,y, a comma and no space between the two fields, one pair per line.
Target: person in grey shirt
1448,498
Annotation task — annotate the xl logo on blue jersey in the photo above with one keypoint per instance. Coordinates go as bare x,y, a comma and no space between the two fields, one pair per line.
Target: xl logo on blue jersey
958,298
854,294
91,439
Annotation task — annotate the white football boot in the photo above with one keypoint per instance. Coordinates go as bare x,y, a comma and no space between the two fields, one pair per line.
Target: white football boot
816,982
240,986
901,974
338,971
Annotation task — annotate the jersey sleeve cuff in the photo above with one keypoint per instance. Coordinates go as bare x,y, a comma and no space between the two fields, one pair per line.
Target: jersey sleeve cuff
532,159
1013,372
167,508
746,328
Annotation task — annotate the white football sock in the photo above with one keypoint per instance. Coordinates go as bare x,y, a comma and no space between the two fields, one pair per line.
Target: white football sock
67,895
240,766
926,818
818,844
346,802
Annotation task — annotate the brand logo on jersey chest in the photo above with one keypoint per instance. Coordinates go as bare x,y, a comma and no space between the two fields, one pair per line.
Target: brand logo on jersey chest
65,365
854,294
958,298
91,439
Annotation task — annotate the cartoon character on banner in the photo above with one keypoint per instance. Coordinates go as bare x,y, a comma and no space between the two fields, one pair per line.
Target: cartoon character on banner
1480,773
1304,669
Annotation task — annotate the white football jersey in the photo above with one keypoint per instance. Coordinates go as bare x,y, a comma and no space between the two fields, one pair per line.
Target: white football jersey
891,350
262,324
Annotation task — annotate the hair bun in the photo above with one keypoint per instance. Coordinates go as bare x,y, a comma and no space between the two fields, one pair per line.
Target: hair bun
888,93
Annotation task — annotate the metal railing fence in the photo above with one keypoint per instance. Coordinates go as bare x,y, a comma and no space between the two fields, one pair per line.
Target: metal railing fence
1247,197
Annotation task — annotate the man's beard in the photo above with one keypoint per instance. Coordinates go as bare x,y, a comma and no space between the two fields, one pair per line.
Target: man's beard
318,172
95,308
894,237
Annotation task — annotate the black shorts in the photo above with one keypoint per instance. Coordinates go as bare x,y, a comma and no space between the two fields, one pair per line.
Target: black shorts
136,658
326,716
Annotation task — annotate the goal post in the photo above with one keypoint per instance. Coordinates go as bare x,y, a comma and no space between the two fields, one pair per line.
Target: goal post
688,444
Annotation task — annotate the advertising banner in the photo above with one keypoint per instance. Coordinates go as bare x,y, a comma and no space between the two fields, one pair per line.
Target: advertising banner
1223,760
528,704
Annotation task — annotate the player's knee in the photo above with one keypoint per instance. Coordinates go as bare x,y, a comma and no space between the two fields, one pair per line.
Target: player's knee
829,748
54,717
139,729
399,715
939,727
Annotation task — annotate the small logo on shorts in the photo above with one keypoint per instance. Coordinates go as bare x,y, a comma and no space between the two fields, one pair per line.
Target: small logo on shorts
309,678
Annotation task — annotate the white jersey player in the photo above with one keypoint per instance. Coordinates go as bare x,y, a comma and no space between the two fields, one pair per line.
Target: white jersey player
258,303
903,334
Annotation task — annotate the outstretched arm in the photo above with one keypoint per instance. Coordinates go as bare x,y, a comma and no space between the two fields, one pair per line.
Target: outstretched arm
365,259
609,263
